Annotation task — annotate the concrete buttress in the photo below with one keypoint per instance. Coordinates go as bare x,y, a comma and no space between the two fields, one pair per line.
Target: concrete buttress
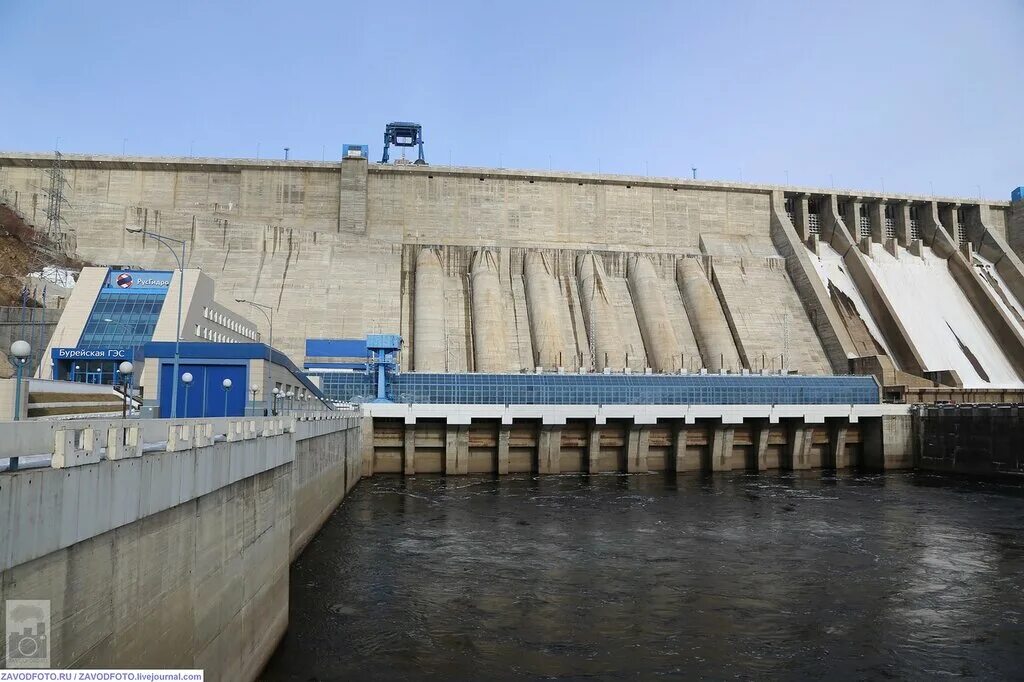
429,346
664,351
599,313
706,316
542,305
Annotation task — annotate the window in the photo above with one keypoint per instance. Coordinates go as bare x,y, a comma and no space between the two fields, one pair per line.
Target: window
813,219
133,317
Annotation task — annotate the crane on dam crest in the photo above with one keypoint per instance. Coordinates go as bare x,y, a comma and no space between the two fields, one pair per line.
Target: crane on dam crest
403,134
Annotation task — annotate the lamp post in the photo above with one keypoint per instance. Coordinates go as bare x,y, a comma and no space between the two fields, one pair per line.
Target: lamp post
129,331
20,351
253,389
74,372
268,312
263,309
226,384
291,397
181,288
186,379
273,404
126,369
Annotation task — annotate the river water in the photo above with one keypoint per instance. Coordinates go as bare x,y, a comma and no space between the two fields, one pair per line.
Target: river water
784,576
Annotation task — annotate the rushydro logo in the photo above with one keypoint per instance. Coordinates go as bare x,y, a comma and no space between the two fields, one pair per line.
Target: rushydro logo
124,280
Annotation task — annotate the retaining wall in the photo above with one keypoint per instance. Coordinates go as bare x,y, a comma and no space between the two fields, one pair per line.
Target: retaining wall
970,439
175,553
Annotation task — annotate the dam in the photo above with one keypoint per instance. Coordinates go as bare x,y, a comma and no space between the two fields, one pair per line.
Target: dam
490,270
527,384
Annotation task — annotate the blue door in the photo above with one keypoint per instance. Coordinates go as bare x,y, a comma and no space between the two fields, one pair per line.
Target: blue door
221,403
205,396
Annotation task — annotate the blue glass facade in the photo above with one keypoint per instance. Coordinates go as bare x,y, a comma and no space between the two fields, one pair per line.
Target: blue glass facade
604,389
122,320
132,320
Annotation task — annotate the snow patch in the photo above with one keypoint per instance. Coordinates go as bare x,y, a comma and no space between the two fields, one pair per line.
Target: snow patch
56,275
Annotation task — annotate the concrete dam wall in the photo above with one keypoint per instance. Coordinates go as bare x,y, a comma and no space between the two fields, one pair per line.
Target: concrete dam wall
493,270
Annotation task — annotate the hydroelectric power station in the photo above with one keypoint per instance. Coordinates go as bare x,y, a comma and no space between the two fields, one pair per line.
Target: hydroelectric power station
343,320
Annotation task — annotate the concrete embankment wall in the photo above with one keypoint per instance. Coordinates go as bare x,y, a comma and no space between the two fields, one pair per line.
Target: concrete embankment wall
173,558
969,439
326,467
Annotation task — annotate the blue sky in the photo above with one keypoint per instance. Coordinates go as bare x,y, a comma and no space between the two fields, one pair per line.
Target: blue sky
926,95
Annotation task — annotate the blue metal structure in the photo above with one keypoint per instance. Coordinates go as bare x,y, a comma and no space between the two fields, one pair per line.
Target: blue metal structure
383,361
605,389
1017,194
403,134
343,354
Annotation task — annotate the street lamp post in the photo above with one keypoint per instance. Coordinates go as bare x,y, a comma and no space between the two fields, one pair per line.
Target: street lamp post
273,404
253,389
226,384
126,369
20,351
291,397
268,312
130,332
186,379
181,288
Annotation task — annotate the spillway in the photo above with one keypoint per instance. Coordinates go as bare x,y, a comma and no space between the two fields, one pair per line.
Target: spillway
942,323
706,317
1000,291
599,313
664,352
833,273
428,325
542,302
490,348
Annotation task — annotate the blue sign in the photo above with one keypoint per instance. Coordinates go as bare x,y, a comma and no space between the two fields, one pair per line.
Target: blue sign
92,354
136,280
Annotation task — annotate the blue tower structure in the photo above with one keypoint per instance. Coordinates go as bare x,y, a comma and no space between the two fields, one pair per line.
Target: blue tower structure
383,350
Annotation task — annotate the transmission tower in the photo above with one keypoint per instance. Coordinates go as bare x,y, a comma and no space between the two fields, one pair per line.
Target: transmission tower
56,227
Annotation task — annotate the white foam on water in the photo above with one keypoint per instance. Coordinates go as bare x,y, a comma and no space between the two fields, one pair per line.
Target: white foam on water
936,312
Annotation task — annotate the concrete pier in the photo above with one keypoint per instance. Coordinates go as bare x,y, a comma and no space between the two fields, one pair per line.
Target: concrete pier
503,439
